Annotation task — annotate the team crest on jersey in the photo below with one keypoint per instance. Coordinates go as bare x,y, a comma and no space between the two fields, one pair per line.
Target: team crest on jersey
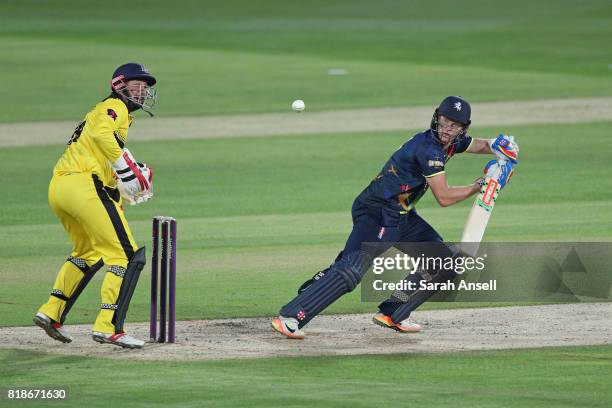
458,106
112,114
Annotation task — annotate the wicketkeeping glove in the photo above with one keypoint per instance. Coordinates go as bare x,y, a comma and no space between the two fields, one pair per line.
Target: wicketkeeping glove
505,147
134,178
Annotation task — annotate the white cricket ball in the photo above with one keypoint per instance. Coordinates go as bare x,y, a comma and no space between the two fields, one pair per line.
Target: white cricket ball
298,105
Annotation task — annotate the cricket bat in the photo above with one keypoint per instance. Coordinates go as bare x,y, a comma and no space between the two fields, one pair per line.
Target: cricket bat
480,213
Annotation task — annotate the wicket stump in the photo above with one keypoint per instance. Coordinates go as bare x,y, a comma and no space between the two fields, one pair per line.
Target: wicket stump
164,227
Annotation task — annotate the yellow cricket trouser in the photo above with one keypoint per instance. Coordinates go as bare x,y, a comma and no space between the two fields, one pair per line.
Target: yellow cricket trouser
97,227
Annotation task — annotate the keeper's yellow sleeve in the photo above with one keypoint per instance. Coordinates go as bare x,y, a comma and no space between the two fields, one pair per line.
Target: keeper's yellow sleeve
108,125
97,142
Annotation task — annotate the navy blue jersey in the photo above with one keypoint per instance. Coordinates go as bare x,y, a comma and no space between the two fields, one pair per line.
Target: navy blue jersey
403,179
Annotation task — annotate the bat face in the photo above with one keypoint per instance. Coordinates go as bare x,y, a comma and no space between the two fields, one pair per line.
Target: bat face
480,213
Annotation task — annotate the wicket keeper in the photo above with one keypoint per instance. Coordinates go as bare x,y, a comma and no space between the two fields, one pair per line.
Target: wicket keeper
385,212
90,181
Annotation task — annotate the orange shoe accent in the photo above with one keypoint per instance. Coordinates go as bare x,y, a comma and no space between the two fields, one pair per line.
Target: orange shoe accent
385,321
280,327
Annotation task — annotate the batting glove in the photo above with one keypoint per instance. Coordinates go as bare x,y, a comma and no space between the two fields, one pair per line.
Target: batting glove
505,147
502,170
505,169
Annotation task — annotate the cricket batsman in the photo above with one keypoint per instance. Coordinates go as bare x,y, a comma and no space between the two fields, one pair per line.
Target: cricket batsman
385,212
92,178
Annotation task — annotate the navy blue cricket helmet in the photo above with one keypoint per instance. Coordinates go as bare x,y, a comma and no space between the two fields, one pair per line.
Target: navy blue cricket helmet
145,99
455,108
133,70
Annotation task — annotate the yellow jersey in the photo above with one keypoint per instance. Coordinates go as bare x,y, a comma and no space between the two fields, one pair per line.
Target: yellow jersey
97,142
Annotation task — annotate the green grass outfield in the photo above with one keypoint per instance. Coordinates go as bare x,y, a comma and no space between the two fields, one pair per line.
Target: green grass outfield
259,215
244,56
558,377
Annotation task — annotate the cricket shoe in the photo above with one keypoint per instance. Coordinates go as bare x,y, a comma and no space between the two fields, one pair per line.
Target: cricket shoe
288,326
54,329
404,327
119,339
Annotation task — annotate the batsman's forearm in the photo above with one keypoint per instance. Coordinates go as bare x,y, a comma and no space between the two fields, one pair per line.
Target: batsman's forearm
453,195
480,146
